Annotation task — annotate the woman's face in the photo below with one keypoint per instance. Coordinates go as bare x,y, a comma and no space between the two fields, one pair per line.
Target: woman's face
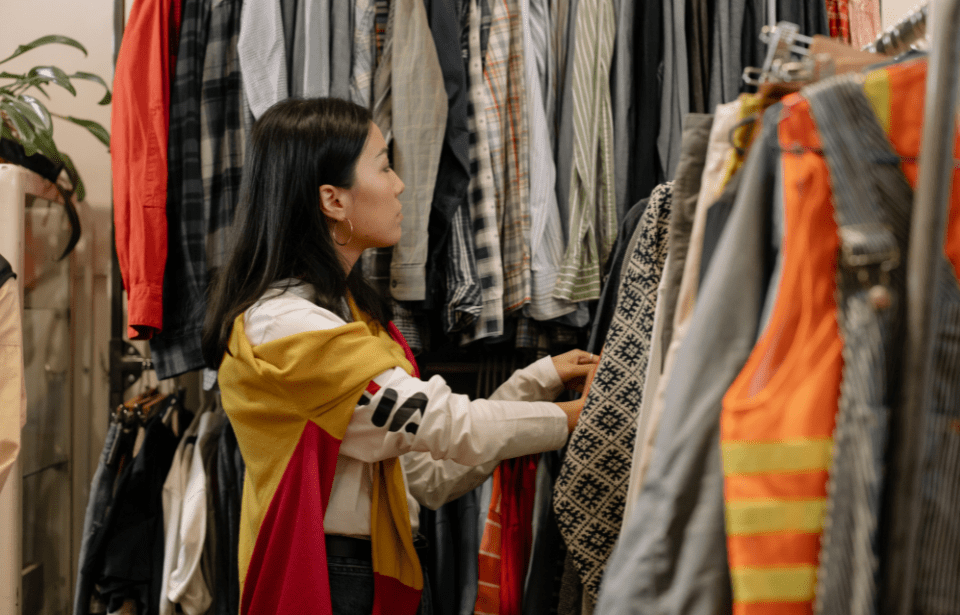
375,208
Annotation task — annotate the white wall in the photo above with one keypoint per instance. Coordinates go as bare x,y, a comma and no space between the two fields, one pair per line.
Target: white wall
894,10
91,23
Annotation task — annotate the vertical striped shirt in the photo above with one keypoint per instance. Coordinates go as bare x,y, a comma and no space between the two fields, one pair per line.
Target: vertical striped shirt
593,218
364,52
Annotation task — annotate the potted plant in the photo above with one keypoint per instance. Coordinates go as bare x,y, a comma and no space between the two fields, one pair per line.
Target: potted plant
26,125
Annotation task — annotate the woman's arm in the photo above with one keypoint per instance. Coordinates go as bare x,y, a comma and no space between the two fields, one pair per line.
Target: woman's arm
434,483
399,414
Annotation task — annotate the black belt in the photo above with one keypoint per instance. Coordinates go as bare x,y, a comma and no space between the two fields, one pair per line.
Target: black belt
359,548
345,546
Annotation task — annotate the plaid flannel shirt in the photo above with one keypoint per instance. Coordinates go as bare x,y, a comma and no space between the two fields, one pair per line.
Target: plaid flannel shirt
419,123
222,137
483,208
507,119
176,348
464,299
205,154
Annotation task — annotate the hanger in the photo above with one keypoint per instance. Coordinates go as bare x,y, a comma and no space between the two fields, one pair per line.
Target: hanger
795,58
846,59
903,35
787,55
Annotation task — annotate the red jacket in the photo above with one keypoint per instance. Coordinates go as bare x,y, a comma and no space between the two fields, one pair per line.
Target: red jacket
139,126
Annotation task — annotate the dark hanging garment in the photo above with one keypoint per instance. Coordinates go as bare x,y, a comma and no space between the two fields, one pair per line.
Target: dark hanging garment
133,515
176,349
611,286
810,16
453,176
230,469
6,271
205,158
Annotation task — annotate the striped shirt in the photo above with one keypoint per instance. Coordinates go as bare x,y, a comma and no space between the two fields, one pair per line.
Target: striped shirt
364,52
593,218
464,294
262,55
546,234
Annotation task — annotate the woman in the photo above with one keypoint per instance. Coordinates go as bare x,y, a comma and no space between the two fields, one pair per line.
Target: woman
342,441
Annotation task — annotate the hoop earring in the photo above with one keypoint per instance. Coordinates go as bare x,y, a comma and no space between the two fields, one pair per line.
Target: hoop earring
334,233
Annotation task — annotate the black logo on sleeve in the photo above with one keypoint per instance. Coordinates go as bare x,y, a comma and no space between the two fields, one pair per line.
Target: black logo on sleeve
405,414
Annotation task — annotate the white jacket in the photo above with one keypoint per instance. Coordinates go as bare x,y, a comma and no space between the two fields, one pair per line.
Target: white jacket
447,443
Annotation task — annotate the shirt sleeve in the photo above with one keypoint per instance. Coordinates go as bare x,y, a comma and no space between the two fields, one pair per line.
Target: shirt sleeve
262,53
138,145
539,381
399,414
433,482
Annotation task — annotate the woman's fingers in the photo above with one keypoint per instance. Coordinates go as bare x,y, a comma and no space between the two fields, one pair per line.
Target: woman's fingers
587,358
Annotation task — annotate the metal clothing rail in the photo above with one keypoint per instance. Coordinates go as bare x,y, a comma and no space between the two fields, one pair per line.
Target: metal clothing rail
899,37
927,235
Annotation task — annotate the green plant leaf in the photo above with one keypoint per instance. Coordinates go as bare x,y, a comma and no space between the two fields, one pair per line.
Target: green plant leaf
95,129
45,40
96,79
48,74
42,91
32,139
22,125
45,145
24,85
79,190
6,133
34,111
6,75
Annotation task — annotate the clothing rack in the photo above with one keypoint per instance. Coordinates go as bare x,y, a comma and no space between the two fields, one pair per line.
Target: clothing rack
899,37
927,234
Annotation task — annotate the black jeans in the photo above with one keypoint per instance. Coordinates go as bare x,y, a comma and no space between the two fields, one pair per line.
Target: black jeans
351,587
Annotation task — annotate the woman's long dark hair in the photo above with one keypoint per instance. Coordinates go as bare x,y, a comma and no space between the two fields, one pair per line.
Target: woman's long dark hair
297,146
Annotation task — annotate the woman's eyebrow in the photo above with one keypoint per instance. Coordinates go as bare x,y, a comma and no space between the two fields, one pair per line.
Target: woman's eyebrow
382,152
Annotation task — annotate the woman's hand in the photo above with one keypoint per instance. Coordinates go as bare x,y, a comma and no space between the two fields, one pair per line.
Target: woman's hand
573,368
575,407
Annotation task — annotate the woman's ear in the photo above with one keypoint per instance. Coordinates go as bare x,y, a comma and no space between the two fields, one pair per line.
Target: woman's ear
330,202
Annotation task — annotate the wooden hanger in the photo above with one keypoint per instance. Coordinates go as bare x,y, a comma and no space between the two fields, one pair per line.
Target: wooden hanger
845,58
